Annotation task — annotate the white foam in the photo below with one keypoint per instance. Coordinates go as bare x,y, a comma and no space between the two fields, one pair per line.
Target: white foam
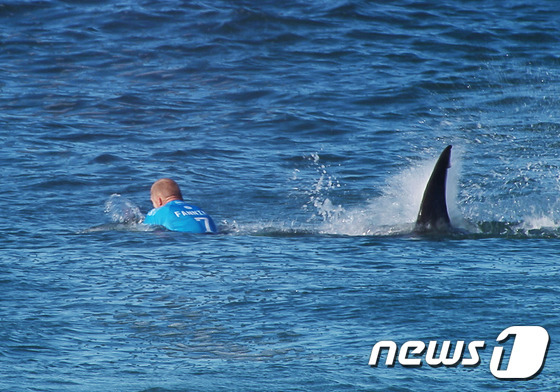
539,222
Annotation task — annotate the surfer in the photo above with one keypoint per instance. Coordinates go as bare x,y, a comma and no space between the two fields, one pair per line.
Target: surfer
173,213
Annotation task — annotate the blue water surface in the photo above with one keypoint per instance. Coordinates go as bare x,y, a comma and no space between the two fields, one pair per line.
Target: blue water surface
308,131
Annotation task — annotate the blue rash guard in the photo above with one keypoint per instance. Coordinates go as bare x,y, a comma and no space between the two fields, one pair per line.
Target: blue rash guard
180,216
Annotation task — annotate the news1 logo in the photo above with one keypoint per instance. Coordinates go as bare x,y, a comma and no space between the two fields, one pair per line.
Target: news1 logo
526,358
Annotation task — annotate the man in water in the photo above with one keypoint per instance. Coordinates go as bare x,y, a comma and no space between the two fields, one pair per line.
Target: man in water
171,212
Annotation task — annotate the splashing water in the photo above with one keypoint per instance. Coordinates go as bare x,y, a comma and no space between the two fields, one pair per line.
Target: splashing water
124,214
324,208
395,211
539,222
122,210
392,213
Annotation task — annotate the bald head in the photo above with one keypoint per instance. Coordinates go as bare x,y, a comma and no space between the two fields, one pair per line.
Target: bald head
163,191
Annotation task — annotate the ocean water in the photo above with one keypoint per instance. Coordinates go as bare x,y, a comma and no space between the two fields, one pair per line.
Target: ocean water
308,131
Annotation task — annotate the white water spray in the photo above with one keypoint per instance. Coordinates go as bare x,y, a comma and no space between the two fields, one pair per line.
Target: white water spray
122,210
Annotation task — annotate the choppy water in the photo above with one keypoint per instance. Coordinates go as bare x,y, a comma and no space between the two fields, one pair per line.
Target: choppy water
308,131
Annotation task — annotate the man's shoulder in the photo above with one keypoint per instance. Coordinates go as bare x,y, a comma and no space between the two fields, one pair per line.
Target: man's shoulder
152,212
180,204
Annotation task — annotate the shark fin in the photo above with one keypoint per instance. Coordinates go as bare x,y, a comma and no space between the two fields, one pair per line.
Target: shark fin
433,215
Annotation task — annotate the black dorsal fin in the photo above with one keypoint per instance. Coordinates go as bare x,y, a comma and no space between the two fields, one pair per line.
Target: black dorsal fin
433,210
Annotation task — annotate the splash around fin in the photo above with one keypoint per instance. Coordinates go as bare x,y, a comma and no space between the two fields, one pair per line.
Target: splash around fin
433,215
